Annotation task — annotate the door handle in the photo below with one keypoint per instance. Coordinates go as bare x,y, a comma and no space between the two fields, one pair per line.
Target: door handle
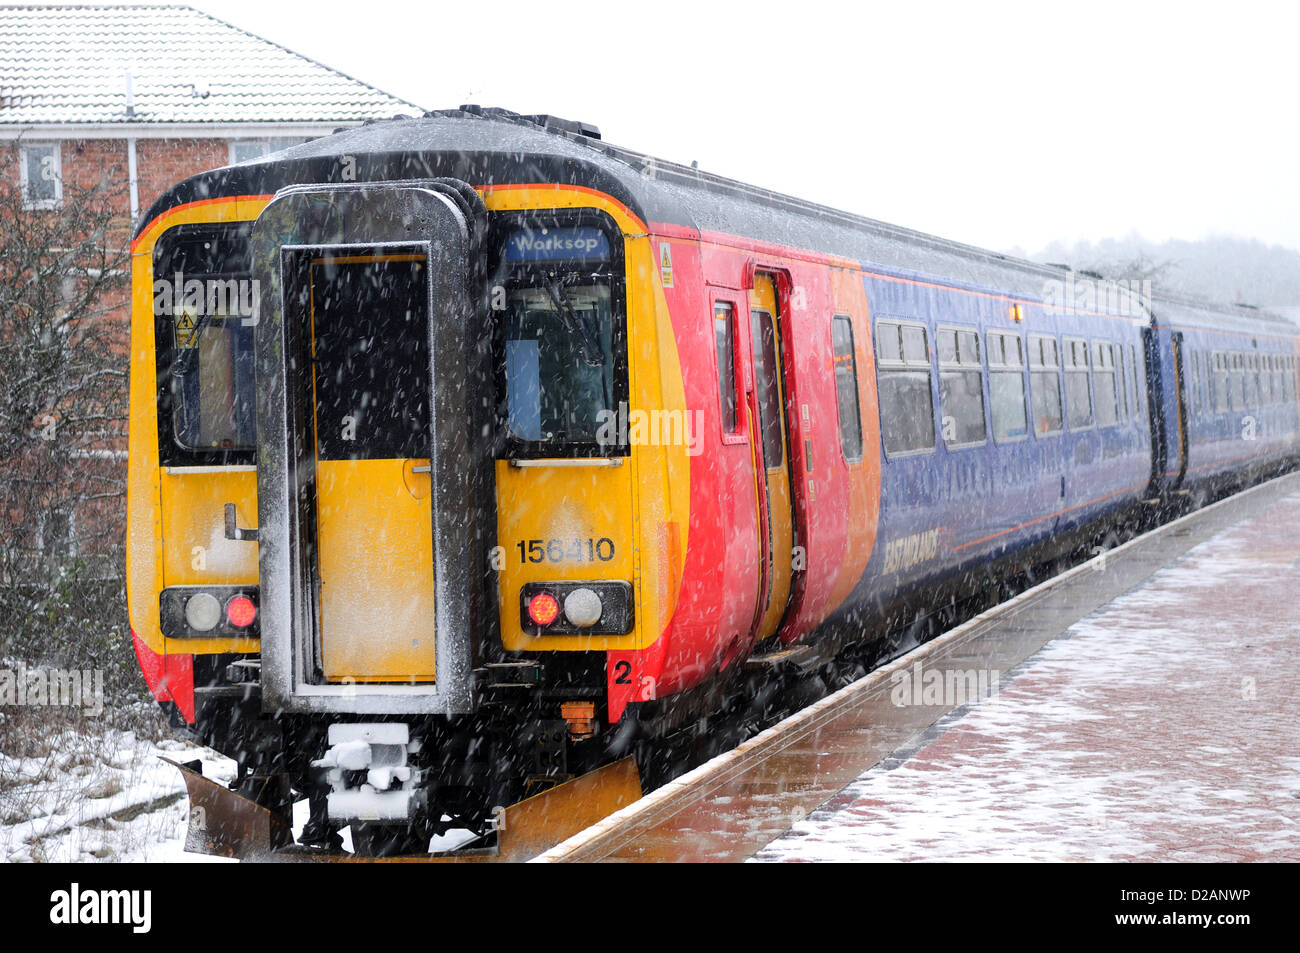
232,529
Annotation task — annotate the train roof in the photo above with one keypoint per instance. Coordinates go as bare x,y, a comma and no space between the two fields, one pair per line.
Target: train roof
487,146
1181,311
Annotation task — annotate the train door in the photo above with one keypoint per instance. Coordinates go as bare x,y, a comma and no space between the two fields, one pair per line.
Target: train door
770,449
1180,396
368,333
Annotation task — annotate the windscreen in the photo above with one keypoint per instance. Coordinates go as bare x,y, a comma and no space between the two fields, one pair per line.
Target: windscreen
370,350
561,332
205,309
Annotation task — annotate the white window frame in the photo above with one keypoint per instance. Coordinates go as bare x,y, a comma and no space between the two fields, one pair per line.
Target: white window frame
957,365
268,144
41,204
1001,368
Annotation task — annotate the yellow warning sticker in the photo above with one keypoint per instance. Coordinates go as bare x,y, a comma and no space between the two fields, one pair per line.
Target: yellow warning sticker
186,330
666,264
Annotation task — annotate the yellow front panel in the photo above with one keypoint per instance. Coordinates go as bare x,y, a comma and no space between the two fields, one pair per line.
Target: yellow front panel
568,519
375,533
162,529
197,552
642,507
649,547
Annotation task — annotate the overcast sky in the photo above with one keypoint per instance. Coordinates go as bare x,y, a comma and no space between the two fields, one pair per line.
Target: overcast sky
996,124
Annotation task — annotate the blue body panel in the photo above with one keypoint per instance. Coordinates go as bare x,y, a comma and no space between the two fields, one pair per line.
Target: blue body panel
1257,423
953,509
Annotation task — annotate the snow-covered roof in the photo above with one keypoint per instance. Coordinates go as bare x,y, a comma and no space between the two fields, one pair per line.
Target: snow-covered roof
70,65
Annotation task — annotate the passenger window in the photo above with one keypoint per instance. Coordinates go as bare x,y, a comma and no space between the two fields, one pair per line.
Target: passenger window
903,380
1121,381
846,387
961,388
947,341
915,349
1078,403
769,394
889,343
1220,381
1007,386
724,342
1139,378
1195,401
1045,384
1103,367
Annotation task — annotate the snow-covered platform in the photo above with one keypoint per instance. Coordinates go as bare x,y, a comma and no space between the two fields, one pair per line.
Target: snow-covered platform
1140,707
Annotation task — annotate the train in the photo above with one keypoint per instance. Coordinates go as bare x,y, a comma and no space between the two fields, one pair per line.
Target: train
469,451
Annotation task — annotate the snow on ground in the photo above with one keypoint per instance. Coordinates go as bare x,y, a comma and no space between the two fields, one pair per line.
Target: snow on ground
99,796
1160,728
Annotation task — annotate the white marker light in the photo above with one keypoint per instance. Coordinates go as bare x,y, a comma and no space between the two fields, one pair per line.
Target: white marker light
202,611
582,608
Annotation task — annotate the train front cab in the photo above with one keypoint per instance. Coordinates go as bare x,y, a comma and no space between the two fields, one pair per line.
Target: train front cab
382,583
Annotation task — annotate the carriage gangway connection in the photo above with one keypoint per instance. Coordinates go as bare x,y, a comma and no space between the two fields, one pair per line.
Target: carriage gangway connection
1150,691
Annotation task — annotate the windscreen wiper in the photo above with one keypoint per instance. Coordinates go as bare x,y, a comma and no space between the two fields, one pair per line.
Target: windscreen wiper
575,325
183,362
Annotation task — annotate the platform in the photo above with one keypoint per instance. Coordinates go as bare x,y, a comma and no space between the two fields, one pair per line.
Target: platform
1140,707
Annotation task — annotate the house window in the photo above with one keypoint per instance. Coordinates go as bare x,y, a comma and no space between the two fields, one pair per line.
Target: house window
241,150
57,534
40,171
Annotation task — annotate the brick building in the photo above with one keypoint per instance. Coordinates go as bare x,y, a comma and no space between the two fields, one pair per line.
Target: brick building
132,99
157,93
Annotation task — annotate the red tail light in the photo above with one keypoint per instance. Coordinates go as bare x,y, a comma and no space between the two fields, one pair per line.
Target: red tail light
543,608
241,612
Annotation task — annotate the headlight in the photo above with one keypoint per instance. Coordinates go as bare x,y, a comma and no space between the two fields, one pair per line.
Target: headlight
202,611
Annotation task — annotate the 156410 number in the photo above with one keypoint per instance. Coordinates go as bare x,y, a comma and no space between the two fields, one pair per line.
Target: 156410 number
566,550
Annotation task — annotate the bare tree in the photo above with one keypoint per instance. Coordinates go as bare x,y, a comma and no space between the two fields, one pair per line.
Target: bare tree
63,373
